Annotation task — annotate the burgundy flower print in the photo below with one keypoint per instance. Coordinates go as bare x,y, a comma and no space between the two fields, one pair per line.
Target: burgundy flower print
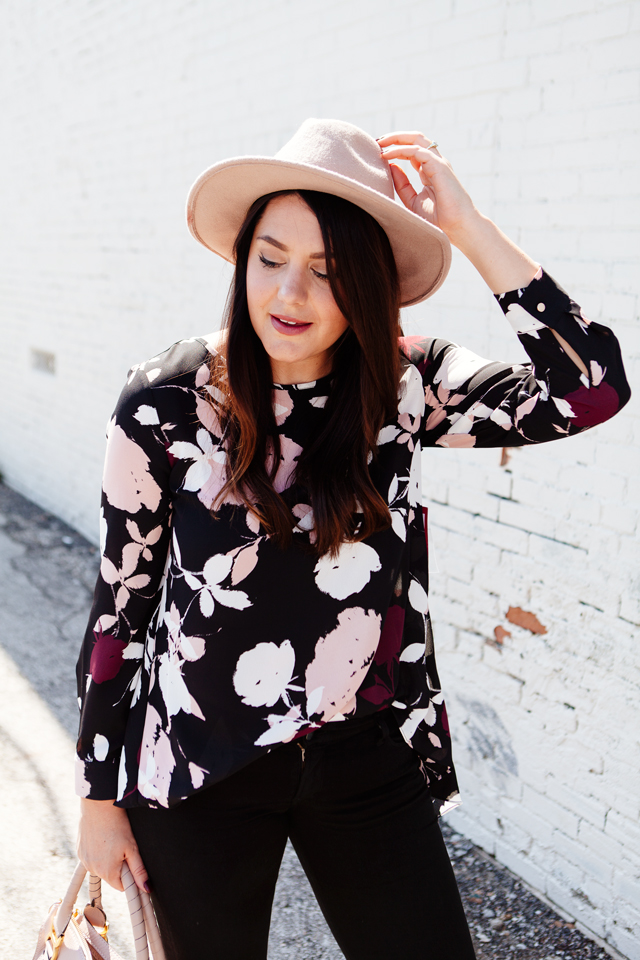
106,656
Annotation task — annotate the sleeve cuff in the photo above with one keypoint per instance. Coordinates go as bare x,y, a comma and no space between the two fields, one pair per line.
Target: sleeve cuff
530,308
96,780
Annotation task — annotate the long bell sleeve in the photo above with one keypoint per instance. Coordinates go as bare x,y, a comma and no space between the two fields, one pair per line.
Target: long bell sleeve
135,532
472,402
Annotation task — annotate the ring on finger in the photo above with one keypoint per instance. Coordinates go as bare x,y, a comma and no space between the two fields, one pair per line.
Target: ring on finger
433,145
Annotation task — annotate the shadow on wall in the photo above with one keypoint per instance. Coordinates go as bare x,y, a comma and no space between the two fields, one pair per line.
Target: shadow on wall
487,742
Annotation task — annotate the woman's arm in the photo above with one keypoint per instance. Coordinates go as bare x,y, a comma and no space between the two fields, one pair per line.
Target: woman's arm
576,378
472,402
444,201
135,532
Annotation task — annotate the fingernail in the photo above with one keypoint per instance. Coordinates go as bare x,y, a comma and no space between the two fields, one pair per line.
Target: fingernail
147,887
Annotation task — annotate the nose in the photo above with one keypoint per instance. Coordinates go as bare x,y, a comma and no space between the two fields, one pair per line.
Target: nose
293,286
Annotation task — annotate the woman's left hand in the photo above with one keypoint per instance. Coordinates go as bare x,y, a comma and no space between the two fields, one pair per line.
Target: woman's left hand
443,200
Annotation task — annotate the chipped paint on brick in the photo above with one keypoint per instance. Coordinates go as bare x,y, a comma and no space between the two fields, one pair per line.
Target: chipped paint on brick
526,619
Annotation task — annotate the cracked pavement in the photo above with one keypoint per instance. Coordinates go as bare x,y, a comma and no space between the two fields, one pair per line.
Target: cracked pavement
47,573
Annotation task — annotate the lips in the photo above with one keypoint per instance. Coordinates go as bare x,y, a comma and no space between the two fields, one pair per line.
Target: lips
288,325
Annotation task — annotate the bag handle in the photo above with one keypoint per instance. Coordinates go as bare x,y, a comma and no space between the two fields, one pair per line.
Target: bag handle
143,920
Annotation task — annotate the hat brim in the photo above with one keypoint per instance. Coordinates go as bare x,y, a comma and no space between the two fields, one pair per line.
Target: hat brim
221,196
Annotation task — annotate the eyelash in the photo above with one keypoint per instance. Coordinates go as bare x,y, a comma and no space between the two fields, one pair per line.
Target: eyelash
268,263
272,264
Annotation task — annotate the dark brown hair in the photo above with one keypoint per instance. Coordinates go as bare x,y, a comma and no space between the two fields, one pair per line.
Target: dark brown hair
364,392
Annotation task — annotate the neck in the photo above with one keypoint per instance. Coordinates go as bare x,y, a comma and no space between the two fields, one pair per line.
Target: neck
304,371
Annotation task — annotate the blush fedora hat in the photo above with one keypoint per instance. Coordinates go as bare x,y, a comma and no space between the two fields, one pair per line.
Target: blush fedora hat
329,156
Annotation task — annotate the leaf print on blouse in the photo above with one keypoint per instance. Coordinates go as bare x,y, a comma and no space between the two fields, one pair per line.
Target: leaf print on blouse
306,523
125,575
205,410
106,656
459,432
157,761
263,674
597,374
461,441
524,322
289,453
387,434
215,571
438,402
175,692
127,482
410,410
592,405
414,492
396,498
147,415
282,405
122,774
347,573
340,664
386,657
419,601
145,542
207,474
245,560
282,729
418,598
197,775
417,716
103,531
458,366
100,747
411,394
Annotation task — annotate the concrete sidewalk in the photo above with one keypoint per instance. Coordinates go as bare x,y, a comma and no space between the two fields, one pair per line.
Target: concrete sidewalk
47,573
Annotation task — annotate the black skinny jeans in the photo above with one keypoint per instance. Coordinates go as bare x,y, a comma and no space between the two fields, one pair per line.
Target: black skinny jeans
353,801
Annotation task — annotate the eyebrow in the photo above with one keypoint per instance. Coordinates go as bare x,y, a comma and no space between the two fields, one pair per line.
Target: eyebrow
285,249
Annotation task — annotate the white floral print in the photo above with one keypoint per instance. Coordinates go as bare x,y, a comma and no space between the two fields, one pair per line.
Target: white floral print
348,572
263,674
207,644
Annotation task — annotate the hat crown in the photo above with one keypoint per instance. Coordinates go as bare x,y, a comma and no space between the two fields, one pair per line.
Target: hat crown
343,149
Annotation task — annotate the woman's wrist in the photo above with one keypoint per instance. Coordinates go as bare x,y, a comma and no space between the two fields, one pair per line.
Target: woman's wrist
100,808
466,233
501,264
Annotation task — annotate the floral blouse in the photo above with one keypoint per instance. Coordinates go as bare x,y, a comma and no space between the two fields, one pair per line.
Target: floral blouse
208,645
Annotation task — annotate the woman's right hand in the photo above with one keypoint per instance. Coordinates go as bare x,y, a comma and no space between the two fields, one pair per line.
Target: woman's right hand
444,202
105,840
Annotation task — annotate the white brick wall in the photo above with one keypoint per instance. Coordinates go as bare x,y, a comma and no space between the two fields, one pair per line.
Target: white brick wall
110,110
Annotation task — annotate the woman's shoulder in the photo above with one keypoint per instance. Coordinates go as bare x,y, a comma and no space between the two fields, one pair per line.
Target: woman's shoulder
417,350
170,381
181,363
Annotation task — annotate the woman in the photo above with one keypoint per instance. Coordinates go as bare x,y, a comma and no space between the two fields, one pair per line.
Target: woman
258,663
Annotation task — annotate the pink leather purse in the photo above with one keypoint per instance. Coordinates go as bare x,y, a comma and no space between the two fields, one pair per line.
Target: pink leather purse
81,934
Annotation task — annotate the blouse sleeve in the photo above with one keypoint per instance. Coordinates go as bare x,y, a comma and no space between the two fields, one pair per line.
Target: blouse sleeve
135,532
471,402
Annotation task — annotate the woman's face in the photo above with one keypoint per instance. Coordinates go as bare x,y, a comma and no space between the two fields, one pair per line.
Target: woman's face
290,301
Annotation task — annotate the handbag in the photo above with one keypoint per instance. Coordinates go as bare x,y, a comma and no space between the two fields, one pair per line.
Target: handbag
72,934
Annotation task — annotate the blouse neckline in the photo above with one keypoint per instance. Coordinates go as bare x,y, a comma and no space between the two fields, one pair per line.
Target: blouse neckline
322,384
